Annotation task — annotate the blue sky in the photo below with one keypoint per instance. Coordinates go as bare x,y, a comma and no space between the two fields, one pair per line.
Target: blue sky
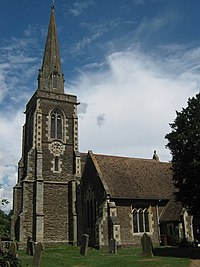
131,63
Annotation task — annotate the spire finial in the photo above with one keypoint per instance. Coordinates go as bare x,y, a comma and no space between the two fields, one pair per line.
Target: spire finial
53,4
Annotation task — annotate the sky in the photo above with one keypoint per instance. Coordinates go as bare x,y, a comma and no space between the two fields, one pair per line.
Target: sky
132,64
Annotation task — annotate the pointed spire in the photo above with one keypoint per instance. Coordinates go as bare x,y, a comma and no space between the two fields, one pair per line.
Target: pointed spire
50,76
53,4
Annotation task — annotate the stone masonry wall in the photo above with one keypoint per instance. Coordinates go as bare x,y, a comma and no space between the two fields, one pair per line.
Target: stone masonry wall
55,212
28,199
128,238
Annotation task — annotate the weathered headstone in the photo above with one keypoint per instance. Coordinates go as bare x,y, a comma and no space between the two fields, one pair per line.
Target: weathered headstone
84,244
146,245
13,249
37,255
30,246
113,246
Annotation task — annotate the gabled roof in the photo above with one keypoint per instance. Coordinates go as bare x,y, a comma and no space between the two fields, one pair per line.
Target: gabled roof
135,178
172,211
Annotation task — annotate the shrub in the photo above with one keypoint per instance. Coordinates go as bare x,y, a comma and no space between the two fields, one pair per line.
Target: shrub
7,260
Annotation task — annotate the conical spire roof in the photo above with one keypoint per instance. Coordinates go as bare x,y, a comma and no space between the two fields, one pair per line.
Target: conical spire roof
50,76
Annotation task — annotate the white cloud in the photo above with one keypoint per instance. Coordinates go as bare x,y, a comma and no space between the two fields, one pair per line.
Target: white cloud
95,31
10,150
132,96
148,27
79,7
138,93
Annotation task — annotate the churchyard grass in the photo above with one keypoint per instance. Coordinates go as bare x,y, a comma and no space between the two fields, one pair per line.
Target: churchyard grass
70,256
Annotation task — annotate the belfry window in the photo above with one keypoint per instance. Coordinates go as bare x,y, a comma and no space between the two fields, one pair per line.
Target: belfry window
56,125
140,220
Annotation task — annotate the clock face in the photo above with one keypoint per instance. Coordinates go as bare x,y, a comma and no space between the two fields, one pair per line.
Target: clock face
57,148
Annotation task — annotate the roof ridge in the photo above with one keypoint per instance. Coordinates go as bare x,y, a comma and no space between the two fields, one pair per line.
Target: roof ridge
128,157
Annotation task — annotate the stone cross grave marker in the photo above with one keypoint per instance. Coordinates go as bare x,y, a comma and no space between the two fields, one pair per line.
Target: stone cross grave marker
84,244
113,246
37,255
13,249
146,245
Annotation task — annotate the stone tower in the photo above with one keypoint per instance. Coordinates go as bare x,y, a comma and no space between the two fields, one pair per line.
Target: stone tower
45,195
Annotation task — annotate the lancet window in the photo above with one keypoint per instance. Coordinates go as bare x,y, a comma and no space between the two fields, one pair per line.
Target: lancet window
140,220
56,164
56,124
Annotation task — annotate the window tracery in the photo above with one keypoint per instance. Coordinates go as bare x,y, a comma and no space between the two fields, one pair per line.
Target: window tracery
140,218
56,124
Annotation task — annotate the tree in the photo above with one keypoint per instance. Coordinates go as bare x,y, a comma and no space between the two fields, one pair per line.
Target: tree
4,224
4,201
184,144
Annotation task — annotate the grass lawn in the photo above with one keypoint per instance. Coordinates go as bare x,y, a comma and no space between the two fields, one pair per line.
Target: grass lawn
70,256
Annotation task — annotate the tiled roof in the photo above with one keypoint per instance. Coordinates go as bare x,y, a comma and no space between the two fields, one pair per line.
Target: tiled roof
135,178
172,211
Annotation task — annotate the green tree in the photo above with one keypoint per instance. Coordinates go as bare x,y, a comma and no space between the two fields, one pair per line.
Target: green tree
4,224
184,144
5,220
4,201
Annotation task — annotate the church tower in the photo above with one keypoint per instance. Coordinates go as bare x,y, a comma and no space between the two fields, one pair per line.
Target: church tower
45,195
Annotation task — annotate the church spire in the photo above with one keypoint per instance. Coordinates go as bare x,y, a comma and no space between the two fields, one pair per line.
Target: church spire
50,76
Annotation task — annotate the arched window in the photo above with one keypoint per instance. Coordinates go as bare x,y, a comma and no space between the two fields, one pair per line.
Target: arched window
56,164
90,208
135,221
146,220
140,220
56,124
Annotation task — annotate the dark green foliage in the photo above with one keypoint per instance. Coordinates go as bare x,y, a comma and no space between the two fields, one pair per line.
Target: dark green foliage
184,144
7,260
4,201
5,224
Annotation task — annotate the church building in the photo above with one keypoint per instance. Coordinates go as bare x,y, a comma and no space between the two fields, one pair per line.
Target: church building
45,194
61,193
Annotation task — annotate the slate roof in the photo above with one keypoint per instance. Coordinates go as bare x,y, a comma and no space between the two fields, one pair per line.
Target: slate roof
135,178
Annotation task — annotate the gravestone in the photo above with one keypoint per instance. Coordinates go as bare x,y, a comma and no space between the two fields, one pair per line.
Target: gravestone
37,255
113,246
84,244
146,245
13,249
29,246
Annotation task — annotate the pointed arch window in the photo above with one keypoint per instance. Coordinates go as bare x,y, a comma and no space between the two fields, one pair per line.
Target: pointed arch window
140,220
90,208
56,124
